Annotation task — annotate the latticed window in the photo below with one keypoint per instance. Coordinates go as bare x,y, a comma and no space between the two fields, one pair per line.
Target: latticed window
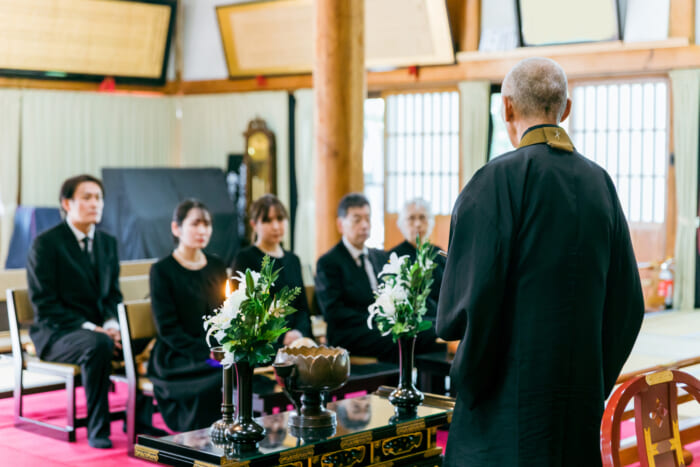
624,128
422,149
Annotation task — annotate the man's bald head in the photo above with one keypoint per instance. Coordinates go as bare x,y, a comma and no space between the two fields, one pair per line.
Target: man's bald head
537,87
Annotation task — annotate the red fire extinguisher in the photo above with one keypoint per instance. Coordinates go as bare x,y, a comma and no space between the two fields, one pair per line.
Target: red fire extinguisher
666,283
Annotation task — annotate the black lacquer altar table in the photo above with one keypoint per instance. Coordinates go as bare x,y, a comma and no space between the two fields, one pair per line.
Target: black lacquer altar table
367,434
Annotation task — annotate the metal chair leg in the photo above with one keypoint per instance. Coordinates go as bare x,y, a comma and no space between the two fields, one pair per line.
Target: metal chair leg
131,419
70,407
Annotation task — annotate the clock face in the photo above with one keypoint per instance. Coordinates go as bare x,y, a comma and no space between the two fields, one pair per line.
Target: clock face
258,146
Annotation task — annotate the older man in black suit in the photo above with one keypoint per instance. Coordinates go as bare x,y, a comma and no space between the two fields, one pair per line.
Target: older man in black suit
73,273
346,278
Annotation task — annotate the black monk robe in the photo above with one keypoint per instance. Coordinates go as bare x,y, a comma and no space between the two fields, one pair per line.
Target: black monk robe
541,286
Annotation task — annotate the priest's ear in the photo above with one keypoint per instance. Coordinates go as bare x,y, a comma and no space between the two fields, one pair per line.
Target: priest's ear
567,110
508,110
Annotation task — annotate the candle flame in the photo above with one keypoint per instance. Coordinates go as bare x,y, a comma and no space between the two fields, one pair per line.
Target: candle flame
228,288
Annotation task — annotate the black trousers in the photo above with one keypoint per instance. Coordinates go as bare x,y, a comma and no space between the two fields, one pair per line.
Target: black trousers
93,351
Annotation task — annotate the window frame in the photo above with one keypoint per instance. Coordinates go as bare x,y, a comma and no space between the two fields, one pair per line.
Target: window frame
670,208
423,90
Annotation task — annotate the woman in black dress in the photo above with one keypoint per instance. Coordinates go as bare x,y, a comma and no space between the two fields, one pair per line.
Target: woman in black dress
268,217
185,286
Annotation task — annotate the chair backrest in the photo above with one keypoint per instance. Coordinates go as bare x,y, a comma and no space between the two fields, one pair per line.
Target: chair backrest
137,328
136,267
19,313
134,287
655,418
12,279
310,292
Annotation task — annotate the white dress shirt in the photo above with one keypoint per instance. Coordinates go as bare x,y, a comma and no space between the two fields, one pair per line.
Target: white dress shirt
79,236
355,253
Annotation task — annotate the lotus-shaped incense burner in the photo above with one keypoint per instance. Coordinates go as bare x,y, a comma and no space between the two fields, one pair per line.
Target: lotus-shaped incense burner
304,373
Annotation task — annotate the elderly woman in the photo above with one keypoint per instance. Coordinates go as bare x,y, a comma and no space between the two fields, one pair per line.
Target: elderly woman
417,221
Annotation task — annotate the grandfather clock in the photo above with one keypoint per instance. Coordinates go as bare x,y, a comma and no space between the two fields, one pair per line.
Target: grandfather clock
260,160
260,163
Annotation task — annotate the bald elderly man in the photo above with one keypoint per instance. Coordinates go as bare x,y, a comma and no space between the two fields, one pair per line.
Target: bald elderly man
541,286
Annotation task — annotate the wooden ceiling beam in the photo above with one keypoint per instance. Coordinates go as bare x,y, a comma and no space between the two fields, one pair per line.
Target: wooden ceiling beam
579,61
64,85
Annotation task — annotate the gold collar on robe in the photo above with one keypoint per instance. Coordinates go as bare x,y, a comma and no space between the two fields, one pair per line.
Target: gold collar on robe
554,136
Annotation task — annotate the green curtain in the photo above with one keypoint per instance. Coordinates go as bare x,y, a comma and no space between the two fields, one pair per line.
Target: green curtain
475,106
9,163
686,106
305,163
67,133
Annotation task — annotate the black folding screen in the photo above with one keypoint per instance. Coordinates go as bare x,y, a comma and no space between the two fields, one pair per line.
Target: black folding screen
139,204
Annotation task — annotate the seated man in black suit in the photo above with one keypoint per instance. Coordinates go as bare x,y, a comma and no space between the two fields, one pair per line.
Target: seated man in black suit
346,278
416,220
73,278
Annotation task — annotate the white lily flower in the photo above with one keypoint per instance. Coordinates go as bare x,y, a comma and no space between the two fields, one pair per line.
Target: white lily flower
394,264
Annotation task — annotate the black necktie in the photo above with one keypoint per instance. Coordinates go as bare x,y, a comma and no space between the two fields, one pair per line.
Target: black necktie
86,250
362,261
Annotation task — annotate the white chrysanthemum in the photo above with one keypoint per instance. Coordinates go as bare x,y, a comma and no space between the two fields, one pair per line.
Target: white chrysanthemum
383,306
398,294
232,304
218,323
394,264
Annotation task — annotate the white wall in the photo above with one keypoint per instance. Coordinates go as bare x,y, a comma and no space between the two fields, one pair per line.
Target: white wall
203,53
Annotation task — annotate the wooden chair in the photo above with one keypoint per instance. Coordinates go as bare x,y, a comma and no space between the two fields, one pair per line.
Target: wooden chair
659,440
137,329
21,314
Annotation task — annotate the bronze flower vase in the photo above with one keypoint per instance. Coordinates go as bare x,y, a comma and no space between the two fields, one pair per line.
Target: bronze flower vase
244,433
217,431
406,398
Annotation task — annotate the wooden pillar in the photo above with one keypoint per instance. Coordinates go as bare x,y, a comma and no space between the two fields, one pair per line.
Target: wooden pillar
339,83
682,19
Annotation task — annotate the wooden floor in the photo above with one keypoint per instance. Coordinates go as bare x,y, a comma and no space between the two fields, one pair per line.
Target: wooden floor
666,337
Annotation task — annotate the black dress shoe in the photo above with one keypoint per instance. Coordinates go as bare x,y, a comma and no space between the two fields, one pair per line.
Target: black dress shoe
100,443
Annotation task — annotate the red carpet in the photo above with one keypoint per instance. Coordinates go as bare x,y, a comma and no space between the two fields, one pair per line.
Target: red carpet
22,448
